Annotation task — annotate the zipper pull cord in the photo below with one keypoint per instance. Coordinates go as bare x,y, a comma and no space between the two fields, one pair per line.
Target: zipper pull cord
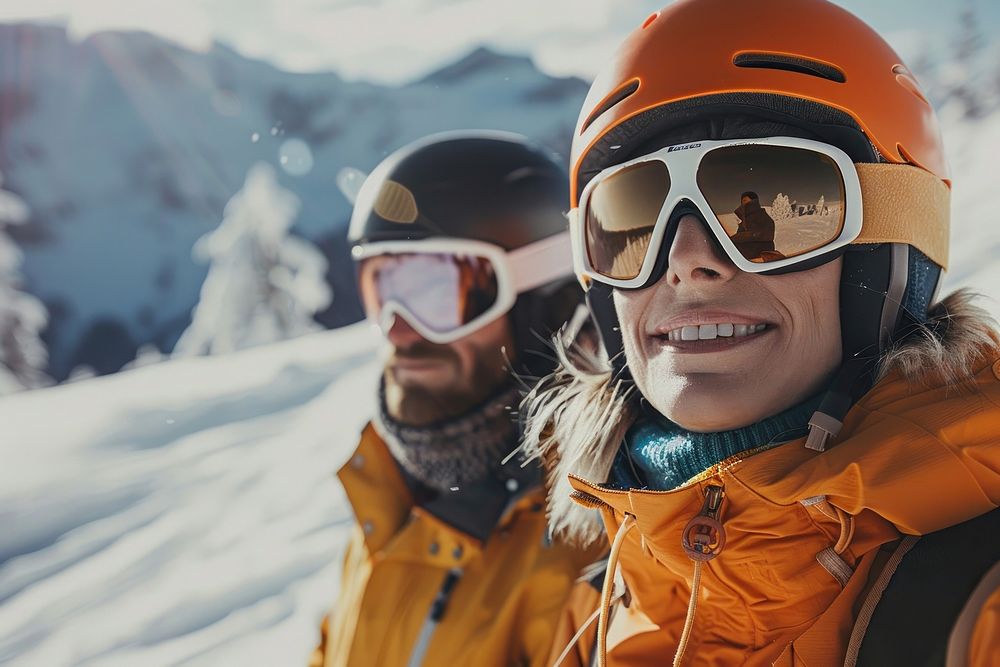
703,539
579,633
609,582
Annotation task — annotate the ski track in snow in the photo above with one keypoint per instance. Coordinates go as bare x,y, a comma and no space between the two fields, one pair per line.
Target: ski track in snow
182,513
186,513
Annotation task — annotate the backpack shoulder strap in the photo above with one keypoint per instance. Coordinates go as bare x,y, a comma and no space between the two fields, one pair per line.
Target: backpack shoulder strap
914,616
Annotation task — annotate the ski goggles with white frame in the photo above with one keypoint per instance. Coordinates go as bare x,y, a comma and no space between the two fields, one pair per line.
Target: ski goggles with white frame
448,288
771,204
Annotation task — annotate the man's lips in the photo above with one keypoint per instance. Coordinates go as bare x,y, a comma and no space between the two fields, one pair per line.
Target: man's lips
416,362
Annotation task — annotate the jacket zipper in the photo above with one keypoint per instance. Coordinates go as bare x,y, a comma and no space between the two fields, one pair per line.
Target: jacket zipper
434,616
704,537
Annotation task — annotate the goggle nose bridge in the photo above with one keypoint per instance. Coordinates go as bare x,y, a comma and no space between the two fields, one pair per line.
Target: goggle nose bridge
684,206
390,311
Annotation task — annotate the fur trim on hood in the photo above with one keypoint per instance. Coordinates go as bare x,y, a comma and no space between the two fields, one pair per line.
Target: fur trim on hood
576,418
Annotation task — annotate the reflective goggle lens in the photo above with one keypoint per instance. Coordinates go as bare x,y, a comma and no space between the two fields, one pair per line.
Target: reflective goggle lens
442,291
620,216
774,202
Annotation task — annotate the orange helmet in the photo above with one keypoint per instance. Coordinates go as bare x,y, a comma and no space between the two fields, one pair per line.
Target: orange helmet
811,50
712,69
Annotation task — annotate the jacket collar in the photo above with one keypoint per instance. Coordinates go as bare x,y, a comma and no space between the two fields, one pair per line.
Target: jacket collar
384,499
907,454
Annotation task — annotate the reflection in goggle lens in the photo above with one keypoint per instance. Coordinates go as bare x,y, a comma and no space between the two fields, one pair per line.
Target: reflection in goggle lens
620,217
774,202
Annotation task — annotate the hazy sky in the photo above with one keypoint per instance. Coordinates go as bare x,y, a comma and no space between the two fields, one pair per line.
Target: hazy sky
397,40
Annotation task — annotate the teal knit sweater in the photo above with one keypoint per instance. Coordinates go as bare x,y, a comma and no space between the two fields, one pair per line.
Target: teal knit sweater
658,454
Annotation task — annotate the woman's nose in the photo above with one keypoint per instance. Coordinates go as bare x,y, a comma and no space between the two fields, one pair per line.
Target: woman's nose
695,256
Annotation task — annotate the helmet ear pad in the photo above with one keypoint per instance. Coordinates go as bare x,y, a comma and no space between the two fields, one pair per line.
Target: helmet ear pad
536,316
601,304
886,291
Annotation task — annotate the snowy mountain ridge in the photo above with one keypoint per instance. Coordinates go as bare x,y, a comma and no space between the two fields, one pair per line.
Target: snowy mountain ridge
126,149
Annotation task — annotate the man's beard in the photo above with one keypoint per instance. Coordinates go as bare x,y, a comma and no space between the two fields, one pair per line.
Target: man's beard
417,405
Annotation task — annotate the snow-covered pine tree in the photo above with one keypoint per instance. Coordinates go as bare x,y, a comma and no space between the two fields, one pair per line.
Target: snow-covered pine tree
968,47
23,356
263,284
781,208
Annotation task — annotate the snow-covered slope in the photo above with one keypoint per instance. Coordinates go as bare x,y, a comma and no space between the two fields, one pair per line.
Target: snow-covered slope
181,513
127,147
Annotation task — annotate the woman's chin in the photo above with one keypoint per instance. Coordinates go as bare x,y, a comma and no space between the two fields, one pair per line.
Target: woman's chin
709,414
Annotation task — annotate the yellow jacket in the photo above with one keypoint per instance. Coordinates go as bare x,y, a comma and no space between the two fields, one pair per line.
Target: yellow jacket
810,537
497,600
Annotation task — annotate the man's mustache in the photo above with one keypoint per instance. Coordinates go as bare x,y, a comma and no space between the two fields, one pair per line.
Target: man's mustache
424,351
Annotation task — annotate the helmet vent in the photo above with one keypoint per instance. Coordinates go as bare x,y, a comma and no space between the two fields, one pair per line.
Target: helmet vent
610,101
906,80
790,64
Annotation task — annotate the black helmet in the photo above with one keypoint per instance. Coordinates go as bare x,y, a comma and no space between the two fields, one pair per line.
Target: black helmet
494,187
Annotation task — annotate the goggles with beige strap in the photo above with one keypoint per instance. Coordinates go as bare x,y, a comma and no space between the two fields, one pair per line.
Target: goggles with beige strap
774,205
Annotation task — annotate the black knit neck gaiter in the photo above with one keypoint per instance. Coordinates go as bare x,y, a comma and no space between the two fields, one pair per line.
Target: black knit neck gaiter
460,451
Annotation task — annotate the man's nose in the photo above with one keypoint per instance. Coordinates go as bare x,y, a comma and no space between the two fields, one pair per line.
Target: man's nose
399,332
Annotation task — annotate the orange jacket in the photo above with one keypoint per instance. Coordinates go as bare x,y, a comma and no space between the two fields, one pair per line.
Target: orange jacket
807,535
501,609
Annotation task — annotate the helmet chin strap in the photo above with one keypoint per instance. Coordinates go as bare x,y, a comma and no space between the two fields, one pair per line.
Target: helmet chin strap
872,283
602,309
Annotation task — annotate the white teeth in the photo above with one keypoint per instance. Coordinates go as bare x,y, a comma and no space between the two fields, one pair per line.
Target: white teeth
713,331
